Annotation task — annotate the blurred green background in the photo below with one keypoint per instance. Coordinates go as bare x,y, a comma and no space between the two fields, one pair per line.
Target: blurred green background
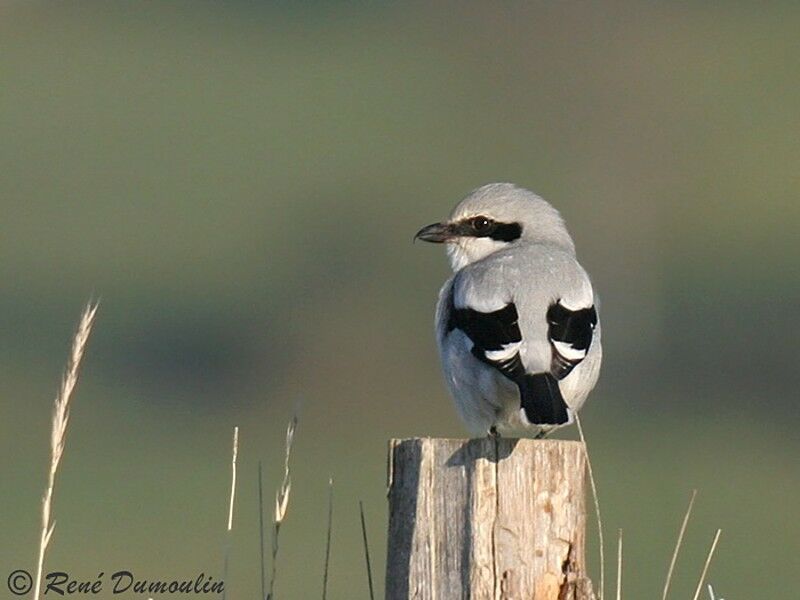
239,183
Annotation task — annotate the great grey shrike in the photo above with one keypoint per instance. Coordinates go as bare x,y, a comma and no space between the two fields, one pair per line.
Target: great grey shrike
516,324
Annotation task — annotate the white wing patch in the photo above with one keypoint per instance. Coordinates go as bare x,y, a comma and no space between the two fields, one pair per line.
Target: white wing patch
505,353
566,350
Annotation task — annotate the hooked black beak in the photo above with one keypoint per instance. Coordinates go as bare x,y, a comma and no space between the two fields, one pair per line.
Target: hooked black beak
437,233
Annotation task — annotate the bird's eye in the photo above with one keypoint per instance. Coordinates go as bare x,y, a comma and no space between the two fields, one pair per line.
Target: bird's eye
480,224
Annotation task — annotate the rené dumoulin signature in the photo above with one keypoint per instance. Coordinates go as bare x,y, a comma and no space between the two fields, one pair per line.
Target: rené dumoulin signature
60,583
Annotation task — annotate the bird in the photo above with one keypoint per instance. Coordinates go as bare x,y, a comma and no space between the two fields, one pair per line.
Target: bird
517,323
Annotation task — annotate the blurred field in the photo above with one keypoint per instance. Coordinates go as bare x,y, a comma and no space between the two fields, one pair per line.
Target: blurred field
240,184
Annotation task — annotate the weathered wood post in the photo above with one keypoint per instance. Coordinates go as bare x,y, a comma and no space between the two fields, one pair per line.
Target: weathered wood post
486,519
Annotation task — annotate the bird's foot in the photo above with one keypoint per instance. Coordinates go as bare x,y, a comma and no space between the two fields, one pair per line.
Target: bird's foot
543,433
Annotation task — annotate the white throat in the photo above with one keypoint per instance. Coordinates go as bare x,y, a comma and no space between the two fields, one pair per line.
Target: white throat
467,250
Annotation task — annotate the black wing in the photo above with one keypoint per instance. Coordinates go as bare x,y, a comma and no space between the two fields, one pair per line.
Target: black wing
570,334
495,337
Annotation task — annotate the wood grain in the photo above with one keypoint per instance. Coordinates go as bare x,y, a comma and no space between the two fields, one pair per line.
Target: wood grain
486,519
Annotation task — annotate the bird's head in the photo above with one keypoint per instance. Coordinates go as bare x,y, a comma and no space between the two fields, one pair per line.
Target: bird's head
494,217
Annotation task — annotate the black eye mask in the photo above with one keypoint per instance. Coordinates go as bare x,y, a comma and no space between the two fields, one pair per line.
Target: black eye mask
485,227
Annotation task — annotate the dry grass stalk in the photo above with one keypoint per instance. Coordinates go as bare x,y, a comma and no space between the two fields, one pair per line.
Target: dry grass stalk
619,566
366,550
281,503
678,544
235,455
596,508
233,476
58,435
707,564
328,540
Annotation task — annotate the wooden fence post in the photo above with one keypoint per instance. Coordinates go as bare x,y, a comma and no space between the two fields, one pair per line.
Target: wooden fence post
486,519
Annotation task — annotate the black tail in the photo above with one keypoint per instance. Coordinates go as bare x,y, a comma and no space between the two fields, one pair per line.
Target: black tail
541,400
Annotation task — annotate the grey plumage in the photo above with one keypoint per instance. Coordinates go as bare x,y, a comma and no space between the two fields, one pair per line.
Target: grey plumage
516,324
